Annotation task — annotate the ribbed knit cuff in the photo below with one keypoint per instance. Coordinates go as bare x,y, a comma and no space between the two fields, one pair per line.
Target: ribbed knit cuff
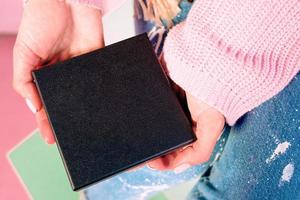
220,79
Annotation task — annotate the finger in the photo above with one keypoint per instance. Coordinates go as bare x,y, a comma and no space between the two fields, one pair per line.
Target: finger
157,164
25,61
163,162
44,126
133,169
209,128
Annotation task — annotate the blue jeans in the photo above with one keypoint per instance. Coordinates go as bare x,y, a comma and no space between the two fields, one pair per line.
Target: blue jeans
261,157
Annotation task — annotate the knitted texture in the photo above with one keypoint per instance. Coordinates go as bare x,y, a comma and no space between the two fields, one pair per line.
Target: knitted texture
235,54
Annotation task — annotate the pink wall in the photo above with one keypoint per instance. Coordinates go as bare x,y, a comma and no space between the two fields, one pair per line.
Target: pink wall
16,122
10,15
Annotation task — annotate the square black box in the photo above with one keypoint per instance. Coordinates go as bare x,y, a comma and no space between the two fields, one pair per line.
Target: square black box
111,109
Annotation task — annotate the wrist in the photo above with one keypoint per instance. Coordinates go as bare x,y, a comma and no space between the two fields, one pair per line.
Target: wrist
91,4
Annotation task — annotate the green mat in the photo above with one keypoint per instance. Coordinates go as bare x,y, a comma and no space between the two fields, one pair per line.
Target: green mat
159,196
41,170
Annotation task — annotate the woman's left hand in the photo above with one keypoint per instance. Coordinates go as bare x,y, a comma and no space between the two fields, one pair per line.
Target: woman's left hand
208,127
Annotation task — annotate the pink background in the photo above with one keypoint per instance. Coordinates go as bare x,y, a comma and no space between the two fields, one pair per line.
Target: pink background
16,121
10,14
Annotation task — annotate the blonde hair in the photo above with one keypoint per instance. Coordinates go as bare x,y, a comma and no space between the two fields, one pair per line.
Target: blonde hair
160,10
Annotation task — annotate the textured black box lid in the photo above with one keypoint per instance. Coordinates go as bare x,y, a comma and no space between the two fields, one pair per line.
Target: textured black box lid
111,109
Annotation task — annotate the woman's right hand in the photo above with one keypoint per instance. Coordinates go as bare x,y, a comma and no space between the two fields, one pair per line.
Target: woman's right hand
51,31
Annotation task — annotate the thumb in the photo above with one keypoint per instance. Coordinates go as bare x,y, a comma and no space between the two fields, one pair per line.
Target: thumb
209,127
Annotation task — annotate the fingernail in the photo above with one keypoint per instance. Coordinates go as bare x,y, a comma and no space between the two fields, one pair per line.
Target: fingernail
181,168
46,140
30,106
149,167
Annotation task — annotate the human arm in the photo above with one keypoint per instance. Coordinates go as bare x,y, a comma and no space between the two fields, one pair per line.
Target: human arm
232,56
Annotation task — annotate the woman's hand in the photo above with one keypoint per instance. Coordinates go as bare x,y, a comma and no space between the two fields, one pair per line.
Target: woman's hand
50,31
208,126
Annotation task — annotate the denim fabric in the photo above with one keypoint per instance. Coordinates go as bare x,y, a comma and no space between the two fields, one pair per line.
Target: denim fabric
261,158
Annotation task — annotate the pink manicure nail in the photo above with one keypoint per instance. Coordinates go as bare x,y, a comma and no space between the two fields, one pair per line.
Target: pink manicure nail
181,168
149,167
30,105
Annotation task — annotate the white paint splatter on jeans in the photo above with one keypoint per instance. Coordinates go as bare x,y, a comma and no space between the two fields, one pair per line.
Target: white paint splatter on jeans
147,189
280,149
287,173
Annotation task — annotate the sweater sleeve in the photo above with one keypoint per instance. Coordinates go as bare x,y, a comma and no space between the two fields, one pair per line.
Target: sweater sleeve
234,55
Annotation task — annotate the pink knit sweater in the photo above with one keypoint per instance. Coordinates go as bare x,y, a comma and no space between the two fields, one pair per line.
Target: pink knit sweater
235,54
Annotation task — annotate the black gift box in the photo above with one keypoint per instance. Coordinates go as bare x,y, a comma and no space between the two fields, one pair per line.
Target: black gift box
111,109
